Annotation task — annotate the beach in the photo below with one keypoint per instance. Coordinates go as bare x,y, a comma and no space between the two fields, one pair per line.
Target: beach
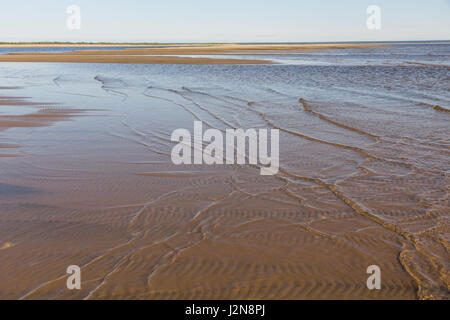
170,54
86,176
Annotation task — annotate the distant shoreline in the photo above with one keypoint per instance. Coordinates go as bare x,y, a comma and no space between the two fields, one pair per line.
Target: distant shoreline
82,44
174,53
166,54
146,44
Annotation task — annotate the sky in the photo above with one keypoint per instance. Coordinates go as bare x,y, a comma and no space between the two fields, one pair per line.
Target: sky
223,21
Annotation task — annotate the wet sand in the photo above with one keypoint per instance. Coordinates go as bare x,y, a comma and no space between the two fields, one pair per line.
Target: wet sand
153,55
87,180
45,115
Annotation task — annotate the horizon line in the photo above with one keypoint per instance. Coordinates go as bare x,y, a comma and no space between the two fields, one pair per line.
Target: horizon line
213,42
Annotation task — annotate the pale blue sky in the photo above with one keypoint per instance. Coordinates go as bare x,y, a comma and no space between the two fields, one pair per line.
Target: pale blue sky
224,21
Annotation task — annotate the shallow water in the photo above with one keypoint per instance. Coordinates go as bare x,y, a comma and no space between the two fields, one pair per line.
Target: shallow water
5,50
86,178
